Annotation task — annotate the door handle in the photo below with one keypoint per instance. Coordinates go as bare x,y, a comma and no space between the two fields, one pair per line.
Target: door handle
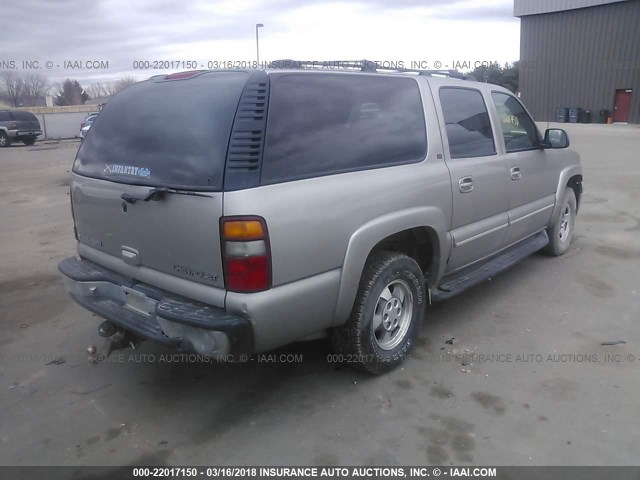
465,184
516,174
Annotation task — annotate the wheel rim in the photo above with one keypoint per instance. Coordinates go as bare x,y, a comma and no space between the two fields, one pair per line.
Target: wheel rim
392,315
3,141
565,223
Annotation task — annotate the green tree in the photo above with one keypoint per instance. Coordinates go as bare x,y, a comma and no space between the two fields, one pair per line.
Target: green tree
506,76
70,92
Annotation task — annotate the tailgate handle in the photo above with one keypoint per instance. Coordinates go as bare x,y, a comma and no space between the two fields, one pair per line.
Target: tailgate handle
156,194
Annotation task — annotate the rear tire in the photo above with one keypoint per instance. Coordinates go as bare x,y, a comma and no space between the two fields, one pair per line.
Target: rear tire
561,232
387,314
5,141
29,141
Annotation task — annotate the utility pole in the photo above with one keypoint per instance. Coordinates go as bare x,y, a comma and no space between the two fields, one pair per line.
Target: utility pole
258,25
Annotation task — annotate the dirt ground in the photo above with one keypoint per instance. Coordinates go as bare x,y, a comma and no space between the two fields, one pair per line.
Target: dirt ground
525,380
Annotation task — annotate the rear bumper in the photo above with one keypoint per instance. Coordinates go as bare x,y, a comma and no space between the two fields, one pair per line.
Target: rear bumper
24,133
155,314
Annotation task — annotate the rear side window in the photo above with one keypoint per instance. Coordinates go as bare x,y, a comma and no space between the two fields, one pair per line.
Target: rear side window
170,133
321,124
24,116
467,123
5,117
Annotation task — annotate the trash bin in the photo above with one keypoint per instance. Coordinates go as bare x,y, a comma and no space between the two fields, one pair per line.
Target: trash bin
586,116
575,114
562,115
604,116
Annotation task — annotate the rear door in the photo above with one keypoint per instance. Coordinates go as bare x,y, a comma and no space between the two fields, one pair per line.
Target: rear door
170,136
478,175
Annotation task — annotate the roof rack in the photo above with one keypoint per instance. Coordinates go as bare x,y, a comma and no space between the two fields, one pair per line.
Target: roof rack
361,65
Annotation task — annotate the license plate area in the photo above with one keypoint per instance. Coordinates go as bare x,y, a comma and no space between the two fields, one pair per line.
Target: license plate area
138,302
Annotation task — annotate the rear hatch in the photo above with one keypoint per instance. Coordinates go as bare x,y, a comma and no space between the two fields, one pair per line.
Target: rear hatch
148,178
26,121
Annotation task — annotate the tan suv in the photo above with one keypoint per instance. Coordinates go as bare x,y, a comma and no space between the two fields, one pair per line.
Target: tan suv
293,203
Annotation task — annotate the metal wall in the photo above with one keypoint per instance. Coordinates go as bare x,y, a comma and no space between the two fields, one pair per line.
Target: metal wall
60,125
533,7
579,58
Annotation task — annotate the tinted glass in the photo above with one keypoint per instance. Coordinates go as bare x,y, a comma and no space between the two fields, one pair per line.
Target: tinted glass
518,130
168,133
5,117
320,124
467,123
24,116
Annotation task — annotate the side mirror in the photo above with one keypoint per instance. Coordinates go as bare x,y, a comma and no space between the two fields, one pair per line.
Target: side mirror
555,138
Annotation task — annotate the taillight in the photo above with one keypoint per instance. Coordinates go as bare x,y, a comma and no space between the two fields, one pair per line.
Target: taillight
14,125
73,216
246,254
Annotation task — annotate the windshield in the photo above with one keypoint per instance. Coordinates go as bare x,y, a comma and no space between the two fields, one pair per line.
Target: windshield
161,132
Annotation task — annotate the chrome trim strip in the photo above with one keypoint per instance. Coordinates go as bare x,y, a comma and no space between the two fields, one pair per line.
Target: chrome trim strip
479,235
540,210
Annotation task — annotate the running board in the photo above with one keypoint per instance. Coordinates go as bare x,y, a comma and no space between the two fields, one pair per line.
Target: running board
460,281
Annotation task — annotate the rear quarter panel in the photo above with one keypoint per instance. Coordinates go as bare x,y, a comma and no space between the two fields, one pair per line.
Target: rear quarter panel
329,224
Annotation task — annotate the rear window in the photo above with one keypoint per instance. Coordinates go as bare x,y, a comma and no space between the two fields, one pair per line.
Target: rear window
320,124
165,133
5,117
24,116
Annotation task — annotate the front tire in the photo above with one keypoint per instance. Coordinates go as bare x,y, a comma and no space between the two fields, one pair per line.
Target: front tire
5,141
561,232
386,316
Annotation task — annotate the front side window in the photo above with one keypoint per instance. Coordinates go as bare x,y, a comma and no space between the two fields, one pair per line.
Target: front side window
518,130
467,123
322,124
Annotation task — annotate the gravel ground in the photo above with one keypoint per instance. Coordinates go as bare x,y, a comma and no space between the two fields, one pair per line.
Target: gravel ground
538,388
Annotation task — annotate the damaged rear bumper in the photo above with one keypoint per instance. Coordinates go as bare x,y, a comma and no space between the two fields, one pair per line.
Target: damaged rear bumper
155,314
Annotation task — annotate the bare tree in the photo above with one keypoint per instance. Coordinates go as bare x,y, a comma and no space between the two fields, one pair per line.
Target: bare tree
11,87
98,90
102,90
121,84
35,88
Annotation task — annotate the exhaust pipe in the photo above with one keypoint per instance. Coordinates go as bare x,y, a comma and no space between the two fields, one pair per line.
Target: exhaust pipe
107,329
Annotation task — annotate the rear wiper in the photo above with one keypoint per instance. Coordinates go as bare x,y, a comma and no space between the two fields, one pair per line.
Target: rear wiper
157,193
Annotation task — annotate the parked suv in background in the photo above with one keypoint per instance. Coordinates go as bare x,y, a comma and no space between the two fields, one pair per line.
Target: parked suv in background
18,125
303,202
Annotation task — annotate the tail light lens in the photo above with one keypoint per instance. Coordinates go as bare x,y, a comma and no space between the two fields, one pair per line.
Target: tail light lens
246,254
73,215
14,125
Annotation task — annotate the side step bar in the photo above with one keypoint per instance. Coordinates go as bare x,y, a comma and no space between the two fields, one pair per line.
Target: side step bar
460,281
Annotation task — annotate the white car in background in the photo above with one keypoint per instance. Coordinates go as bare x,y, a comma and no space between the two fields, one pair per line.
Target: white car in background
86,124
84,130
